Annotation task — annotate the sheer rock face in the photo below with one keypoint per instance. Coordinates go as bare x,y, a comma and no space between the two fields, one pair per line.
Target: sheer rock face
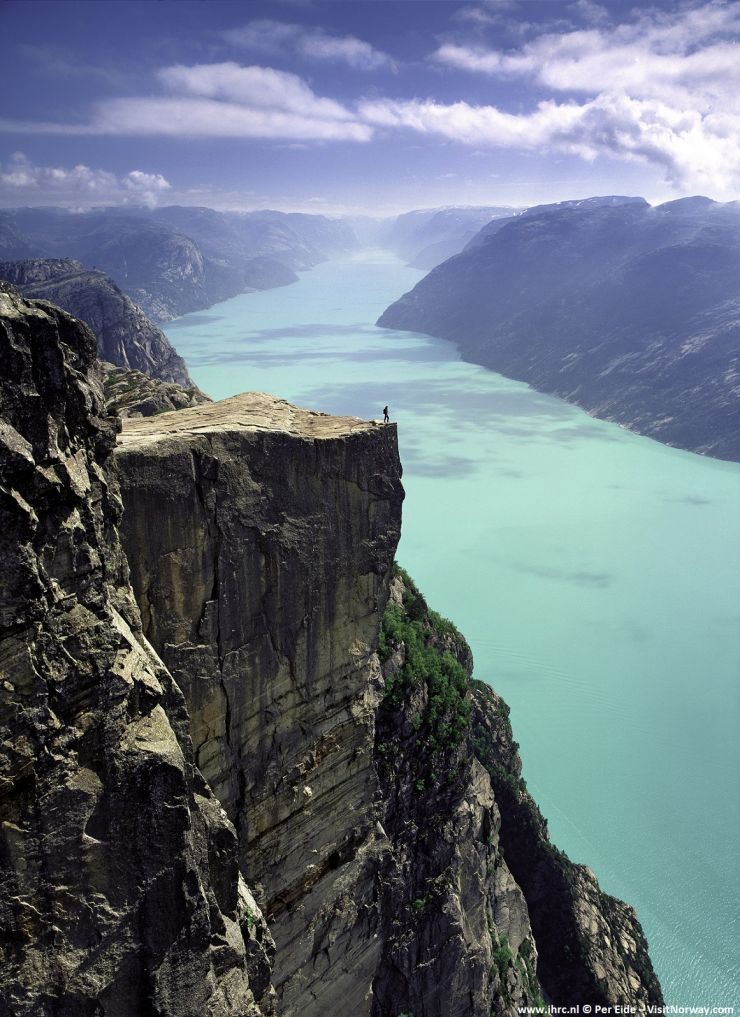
262,538
120,891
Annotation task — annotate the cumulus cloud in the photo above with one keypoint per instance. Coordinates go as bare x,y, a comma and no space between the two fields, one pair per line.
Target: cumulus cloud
280,37
660,88
79,184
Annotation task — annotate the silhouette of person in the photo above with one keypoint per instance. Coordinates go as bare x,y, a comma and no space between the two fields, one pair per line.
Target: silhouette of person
386,418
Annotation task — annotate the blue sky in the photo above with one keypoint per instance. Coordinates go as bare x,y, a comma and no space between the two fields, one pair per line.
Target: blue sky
366,105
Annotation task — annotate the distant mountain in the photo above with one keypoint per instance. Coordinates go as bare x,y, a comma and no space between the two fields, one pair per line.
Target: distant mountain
426,237
179,259
632,312
126,337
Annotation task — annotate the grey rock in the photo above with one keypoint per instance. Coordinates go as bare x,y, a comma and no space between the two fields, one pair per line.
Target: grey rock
261,541
133,394
591,946
120,890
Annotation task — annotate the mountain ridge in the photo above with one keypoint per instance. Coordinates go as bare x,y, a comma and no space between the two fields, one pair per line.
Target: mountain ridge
630,311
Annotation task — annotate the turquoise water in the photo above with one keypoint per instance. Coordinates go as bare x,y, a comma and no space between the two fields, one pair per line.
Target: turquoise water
595,573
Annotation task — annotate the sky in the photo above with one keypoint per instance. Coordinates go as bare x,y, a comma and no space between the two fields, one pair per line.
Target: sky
366,106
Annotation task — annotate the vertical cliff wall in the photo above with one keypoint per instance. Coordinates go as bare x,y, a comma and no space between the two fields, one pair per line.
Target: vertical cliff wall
120,891
261,539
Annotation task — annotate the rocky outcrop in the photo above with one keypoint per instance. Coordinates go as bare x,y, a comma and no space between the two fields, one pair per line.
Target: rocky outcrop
120,891
262,584
632,312
591,946
125,335
456,933
277,732
133,394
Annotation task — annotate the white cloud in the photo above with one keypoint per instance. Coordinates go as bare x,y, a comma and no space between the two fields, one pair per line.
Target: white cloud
208,118
692,150
221,100
79,183
661,88
254,87
347,49
280,37
690,55
145,185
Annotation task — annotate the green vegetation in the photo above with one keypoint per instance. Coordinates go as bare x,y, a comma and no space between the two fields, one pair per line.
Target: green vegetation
246,921
427,640
502,958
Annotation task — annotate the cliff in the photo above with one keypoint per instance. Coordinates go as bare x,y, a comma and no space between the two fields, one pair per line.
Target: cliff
496,909
125,335
627,310
120,890
262,584
364,796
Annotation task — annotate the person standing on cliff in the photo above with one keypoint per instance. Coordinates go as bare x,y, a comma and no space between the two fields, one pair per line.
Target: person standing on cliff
386,418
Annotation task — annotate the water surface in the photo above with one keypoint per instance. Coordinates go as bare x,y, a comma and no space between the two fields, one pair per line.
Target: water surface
595,573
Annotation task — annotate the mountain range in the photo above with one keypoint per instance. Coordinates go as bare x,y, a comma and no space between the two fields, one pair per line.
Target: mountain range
628,310
174,260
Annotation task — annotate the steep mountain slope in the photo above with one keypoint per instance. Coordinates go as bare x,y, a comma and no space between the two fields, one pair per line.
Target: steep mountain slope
633,312
125,335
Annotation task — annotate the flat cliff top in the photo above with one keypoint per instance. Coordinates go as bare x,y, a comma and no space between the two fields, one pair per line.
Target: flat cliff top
250,411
